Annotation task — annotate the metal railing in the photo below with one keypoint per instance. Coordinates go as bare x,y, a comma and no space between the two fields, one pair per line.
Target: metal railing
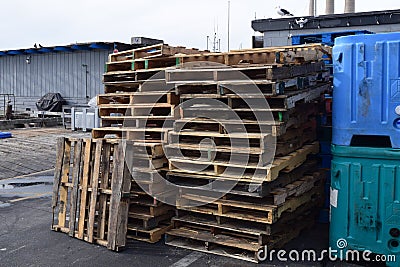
5,98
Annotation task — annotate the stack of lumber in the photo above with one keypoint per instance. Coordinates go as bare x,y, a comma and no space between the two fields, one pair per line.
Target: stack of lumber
275,193
136,106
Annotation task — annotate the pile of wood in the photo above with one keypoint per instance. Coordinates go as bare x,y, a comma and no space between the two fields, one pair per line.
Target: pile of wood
171,136
136,109
276,191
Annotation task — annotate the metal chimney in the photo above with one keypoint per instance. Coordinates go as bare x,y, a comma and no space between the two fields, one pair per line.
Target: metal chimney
350,6
330,7
312,8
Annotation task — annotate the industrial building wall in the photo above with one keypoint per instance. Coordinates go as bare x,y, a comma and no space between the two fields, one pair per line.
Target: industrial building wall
60,72
282,38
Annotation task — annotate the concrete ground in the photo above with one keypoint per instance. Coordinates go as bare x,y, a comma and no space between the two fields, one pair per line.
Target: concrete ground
25,219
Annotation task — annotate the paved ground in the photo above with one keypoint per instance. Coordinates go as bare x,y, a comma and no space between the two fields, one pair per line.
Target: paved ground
30,150
26,238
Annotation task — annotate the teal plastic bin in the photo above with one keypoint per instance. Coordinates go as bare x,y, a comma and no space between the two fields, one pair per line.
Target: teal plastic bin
365,201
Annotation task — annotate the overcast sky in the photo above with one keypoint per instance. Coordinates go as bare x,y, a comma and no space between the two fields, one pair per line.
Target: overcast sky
177,22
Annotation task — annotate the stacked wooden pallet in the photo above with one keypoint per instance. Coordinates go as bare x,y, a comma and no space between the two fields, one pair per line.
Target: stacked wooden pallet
138,107
275,192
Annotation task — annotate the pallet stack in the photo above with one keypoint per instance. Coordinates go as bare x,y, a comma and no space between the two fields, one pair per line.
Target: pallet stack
277,192
156,111
136,106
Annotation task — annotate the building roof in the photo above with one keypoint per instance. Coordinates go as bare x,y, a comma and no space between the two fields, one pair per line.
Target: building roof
69,48
328,21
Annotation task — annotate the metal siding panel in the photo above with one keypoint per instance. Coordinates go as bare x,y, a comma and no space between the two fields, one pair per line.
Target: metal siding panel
53,72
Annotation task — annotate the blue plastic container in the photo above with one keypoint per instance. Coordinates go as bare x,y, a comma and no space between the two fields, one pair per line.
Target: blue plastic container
365,200
4,135
366,94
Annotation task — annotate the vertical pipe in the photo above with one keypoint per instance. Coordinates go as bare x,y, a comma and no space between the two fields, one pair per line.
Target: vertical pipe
330,7
350,6
229,23
311,9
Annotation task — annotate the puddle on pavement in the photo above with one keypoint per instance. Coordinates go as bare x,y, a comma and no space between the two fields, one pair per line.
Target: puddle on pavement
26,187
16,185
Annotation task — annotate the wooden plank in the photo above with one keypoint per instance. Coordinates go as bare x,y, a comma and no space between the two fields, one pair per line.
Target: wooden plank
74,192
84,188
123,210
104,176
95,187
57,175
116,187
62,215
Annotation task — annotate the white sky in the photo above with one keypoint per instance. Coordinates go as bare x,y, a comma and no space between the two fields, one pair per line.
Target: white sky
177,22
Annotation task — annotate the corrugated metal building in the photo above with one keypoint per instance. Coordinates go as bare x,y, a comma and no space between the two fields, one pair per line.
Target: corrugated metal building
75,71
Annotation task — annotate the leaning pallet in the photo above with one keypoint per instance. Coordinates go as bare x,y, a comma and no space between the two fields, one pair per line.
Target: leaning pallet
91,191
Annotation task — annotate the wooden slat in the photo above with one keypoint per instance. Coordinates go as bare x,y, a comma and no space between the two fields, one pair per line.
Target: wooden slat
116,187
62,215
105,171
123,210
75,181
84,188
95,187
57,175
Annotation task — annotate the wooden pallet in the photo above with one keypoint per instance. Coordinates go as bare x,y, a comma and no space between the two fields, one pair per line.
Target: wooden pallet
145,175
91,191
256,102
127,98
288,55
150,236
253,149
161,56
157,109
255,72
138,121
149,222
154,56
255,210
230,243
259,190
152,51
242,172
277,126
125,83
249,87
134,77
155,135
283,55
247,227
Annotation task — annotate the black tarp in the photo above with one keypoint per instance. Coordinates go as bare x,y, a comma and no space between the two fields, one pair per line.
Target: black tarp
51,102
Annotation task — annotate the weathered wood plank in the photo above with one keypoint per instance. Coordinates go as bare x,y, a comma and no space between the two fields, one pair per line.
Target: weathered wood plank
62,215
84,188
95,187
75,181
57,175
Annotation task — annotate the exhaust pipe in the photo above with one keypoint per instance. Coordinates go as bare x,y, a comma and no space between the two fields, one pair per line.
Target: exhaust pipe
311,10
330,7
350,6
